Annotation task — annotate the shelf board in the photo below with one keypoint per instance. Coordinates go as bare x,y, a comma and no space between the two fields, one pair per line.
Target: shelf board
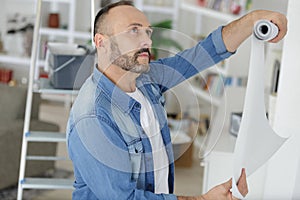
15,60
193,7
47,183
44,86
64,33
205,96
82,35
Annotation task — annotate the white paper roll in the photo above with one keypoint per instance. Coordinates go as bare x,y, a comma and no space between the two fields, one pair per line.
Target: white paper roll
256,141
265,30
272,107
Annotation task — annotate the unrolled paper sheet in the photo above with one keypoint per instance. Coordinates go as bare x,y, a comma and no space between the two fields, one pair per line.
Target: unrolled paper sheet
256,141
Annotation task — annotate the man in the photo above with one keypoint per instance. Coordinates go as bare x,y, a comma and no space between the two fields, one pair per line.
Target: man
118,136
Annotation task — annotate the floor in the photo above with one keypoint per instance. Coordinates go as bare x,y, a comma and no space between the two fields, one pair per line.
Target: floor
188,180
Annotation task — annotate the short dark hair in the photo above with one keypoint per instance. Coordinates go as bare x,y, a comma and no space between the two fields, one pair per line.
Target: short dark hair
104,11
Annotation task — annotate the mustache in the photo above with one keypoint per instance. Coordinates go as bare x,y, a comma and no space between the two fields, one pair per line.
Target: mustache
143,50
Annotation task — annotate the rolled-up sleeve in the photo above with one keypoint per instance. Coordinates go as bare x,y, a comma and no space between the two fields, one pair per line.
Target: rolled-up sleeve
219,44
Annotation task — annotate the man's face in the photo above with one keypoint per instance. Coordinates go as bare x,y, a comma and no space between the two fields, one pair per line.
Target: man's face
131,40
134,61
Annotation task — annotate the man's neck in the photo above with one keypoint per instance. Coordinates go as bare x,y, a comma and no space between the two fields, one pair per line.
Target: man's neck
125,80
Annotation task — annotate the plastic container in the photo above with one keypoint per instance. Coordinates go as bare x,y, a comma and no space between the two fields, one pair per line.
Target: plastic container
69,65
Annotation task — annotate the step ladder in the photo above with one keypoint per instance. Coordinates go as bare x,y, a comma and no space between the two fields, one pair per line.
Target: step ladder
42,86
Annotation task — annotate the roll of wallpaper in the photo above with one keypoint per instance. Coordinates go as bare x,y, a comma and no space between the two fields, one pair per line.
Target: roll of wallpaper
256,141
265,30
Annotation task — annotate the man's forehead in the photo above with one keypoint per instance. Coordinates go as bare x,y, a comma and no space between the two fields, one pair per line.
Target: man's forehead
126,16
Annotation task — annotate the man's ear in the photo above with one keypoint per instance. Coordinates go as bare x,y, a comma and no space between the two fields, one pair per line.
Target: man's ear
99,40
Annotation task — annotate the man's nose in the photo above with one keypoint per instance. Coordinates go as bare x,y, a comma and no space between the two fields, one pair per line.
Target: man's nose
146,41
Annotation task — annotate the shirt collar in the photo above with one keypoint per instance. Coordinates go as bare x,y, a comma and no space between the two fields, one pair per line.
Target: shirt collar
117,96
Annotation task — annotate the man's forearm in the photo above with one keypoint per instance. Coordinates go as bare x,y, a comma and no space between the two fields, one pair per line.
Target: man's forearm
237,31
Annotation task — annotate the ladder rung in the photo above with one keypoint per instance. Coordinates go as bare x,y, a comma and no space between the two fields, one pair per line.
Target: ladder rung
47,183
45,87
50,158
35,136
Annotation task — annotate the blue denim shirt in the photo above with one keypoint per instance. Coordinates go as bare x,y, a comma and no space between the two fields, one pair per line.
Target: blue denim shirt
111,153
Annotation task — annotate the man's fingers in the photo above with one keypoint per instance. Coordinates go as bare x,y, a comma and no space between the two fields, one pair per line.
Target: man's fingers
281,23
242,183
227,185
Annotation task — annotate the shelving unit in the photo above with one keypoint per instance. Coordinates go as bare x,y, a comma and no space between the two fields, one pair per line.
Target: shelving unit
192,6
70,35
204,95
212,95
220,18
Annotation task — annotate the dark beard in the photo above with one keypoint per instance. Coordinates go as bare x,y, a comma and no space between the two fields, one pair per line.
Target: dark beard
126,62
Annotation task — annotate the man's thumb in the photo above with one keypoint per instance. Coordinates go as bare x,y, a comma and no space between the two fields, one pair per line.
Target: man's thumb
227,185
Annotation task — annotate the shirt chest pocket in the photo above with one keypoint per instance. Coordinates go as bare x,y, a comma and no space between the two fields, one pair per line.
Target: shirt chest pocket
135,150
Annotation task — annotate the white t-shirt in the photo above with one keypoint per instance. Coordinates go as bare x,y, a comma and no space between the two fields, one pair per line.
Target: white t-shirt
151,127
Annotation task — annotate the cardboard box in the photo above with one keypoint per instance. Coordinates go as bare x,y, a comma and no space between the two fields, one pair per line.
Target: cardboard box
186,158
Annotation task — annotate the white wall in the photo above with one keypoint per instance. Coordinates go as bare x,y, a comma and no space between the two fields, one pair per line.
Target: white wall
2,20
275,5
83,15
283,170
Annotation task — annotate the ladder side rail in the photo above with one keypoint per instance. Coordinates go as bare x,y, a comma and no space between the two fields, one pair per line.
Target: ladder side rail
37,63
71,26
93,15
29,97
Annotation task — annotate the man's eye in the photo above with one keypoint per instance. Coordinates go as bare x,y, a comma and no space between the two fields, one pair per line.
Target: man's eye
134,30
149,32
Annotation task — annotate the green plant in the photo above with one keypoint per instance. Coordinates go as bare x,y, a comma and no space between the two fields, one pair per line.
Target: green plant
160,41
